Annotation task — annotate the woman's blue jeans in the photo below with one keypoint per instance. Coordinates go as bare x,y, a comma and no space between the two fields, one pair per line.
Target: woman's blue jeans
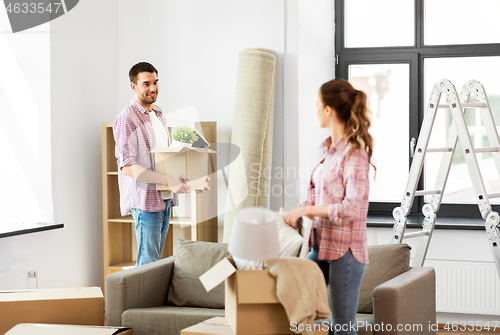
151,230
344,276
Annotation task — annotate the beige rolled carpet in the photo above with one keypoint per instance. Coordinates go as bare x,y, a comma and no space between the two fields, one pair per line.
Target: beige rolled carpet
250,175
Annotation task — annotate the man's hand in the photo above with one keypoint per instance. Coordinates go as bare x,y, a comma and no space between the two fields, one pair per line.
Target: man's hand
177,184
206,189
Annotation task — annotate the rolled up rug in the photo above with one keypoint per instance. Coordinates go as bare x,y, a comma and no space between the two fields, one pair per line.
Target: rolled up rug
249,178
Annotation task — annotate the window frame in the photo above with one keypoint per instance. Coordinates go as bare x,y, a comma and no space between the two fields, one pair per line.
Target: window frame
415,56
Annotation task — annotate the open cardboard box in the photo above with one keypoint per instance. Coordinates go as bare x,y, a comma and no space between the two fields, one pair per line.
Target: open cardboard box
49,329
76,306
252,306
191,162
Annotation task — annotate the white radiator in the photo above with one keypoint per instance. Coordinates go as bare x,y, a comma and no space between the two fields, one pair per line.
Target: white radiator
16,280
466,287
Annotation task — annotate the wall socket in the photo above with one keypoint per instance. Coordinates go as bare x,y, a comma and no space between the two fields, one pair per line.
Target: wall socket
32,281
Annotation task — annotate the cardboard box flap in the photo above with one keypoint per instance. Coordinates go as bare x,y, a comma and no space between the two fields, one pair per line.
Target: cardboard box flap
51,294
262,284
217,325
210,151
49,329
183,149
217,274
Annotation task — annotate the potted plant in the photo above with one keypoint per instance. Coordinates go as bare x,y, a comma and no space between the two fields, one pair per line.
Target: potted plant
184,136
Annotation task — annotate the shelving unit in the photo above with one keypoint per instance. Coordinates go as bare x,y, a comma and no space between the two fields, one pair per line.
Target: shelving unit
119,244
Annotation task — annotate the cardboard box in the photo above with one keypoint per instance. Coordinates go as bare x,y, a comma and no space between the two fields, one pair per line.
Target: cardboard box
73,306
191,162
48,329
252,306
219,326
216,325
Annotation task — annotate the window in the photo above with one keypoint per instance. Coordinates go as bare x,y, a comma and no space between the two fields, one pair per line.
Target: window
396,56
387,88
25,151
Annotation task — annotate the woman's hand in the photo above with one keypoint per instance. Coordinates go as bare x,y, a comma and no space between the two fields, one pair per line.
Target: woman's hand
293,216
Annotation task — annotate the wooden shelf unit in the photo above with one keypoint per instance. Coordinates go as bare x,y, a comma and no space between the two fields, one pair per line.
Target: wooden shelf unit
119,244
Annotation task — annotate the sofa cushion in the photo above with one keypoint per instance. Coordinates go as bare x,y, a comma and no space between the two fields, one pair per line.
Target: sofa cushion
386,262
192,259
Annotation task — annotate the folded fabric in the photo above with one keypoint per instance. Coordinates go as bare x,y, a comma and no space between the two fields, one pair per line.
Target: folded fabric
300,287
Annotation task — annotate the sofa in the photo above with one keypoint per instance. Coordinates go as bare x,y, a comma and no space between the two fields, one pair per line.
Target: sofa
394,298
166,296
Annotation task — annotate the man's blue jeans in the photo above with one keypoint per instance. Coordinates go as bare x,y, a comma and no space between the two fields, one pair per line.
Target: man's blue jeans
151,230
344,276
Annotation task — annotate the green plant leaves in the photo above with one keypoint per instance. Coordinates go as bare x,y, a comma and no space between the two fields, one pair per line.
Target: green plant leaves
185,134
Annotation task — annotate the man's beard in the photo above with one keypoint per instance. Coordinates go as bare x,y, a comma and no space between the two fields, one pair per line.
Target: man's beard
148,100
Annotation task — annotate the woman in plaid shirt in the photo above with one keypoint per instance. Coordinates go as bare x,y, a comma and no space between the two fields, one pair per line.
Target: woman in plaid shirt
337,198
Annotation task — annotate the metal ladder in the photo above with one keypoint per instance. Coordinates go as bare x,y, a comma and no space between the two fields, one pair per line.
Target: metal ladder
458,131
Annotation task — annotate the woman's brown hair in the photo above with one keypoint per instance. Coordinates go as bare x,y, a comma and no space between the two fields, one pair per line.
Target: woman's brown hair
351,108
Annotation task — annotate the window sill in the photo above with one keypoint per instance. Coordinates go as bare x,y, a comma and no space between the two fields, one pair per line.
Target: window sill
21,229
375,221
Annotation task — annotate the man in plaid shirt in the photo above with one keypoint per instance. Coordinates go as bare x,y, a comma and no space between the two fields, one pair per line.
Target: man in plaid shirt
137,130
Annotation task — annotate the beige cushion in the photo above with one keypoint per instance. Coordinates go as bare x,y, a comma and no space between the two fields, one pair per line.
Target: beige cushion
386,262
192,259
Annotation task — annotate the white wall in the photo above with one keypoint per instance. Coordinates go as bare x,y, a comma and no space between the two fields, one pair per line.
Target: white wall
446,244
84,93
315,66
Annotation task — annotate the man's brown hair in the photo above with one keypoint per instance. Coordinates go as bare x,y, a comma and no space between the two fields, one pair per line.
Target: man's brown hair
138,68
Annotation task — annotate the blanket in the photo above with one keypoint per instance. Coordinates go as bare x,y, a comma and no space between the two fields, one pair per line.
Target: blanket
301,289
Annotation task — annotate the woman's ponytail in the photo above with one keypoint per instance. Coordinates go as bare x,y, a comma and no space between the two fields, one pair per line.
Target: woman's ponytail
351,107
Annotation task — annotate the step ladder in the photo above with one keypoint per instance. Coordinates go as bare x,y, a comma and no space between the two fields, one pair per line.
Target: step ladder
458,132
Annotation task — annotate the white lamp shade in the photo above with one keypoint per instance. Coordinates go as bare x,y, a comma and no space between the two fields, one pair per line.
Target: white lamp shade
254,236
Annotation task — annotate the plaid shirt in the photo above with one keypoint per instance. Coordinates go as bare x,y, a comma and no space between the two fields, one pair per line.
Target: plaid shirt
135,138
343,186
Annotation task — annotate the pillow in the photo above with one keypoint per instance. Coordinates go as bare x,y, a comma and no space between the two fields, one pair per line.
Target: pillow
290,239
386,262
192,259
290,242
